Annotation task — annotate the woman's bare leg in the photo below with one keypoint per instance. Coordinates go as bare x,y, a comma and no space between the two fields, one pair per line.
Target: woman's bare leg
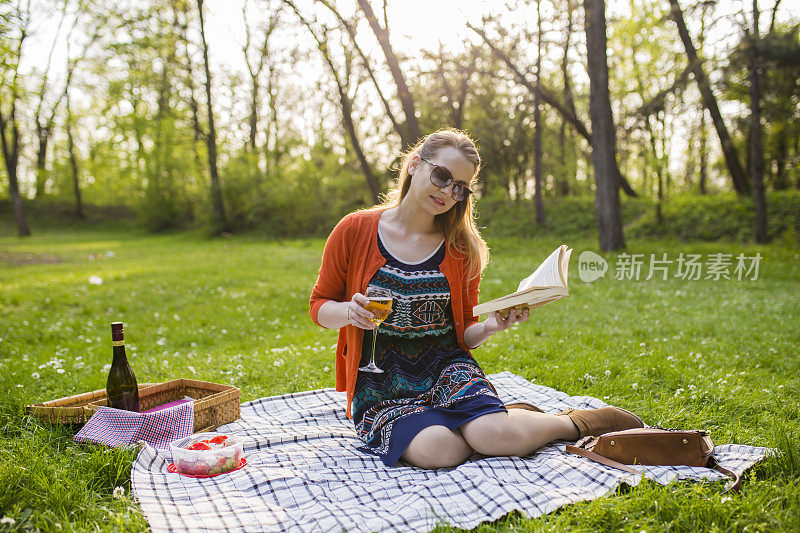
437,447
517,432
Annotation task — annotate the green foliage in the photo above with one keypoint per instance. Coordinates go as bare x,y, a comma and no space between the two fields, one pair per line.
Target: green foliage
499,115
51,214
297,205
778,54
723,217
234,310
570,216
306,197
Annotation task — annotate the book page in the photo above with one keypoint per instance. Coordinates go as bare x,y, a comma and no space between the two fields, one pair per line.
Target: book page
565,266
547,275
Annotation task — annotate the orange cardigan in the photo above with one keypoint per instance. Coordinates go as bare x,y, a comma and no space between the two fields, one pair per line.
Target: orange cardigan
350,260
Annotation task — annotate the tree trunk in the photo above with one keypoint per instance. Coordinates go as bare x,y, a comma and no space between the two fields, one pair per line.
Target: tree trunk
780,182
43,138
253,118
607,205
701,185
403,92
563,182
199,134
11,156
659,171
73,162
271,147
458,114
537,125
691,163
255,72
11,147
211,139
797,154
756,143
740,183
347,118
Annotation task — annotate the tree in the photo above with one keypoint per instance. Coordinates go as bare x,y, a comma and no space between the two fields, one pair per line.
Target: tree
255,67
10,98
569,102
45,124
211,138
779,69
639,47
73,159
321,37
413,132
756,142
740,183
182,13
455,94
607,206
703,163
569,114
537,123
399,128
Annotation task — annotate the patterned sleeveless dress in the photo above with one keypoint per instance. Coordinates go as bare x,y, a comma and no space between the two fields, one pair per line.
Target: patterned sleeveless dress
428,379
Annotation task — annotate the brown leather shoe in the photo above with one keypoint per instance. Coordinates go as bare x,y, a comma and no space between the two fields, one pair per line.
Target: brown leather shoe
523,405
603,420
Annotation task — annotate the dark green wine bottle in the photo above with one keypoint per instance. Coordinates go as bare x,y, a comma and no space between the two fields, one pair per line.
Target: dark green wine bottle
121,387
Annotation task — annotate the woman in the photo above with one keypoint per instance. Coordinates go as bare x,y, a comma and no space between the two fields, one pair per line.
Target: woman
429,403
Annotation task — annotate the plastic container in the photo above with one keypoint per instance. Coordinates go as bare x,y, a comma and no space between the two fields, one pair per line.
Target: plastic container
222,456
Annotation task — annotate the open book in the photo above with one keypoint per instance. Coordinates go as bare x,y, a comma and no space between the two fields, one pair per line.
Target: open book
548,283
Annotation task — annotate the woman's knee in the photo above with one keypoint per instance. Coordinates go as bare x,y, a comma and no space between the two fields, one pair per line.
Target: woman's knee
437,447
493,434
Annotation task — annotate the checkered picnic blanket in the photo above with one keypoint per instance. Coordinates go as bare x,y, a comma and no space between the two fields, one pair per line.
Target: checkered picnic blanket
305,473
116,427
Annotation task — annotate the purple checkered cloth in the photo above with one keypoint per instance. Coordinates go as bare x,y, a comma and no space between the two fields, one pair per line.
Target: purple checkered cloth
115,427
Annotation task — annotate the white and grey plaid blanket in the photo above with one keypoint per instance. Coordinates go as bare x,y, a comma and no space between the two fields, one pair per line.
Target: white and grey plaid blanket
305,473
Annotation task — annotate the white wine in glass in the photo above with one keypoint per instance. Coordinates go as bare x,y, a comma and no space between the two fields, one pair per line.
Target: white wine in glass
380,305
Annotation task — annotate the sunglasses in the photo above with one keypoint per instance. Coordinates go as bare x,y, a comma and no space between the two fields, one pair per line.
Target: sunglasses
441,177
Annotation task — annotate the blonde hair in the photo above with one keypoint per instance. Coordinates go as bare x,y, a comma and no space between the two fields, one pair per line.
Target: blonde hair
458,223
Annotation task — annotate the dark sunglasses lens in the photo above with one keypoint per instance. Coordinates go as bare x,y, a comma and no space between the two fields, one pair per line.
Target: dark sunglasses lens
458,192
440,177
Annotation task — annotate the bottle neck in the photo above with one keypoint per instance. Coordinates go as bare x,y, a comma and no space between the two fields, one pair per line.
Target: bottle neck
119,352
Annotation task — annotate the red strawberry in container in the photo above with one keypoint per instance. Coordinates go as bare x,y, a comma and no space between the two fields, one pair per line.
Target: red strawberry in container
206,454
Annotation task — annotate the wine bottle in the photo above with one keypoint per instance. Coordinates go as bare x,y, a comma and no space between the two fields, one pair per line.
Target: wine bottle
121,387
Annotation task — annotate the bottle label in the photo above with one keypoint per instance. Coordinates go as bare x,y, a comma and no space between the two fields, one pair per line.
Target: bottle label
118,343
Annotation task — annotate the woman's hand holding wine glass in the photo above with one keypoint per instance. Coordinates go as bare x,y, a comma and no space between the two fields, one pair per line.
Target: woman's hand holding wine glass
357,313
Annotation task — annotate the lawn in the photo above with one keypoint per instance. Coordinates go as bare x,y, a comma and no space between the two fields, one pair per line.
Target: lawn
720,355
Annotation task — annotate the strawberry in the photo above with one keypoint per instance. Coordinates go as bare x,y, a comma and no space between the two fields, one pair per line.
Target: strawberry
199,446
219,439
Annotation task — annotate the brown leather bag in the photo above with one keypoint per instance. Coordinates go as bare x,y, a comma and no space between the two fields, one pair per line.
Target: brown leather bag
652,446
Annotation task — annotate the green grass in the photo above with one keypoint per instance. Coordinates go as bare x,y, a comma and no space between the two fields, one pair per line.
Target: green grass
717,355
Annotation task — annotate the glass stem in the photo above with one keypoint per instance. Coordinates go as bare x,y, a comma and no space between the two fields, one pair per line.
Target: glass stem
374,338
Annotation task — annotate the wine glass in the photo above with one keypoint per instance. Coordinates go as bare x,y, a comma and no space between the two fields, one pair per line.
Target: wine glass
380,305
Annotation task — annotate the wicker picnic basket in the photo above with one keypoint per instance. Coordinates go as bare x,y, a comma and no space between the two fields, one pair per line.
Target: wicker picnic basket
214,404
72,409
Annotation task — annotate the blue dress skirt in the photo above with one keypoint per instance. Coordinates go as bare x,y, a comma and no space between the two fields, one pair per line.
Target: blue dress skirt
428,379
